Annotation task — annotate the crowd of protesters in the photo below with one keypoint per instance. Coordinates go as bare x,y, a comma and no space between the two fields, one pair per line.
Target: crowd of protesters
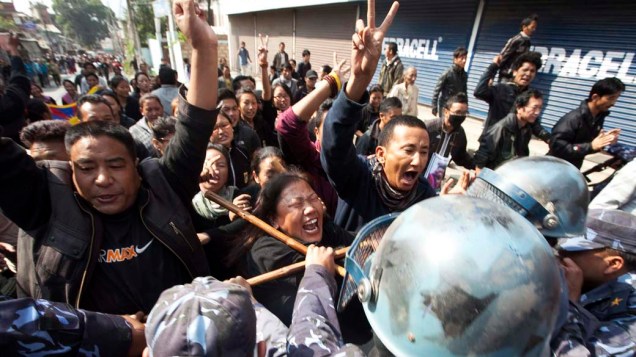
130,232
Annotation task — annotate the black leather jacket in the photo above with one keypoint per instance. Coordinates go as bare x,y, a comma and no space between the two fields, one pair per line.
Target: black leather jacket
451,82
572,135
501,98
61,236
503,141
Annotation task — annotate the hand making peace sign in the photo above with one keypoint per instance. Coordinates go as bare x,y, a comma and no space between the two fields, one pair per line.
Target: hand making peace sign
367,48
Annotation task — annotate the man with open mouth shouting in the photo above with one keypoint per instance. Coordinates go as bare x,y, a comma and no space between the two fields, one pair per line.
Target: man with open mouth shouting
390,180
96,228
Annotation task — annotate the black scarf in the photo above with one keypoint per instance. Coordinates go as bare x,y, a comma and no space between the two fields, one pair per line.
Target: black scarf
395,200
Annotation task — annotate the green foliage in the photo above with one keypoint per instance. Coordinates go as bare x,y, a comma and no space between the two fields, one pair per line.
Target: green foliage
86,20
145,22
7,25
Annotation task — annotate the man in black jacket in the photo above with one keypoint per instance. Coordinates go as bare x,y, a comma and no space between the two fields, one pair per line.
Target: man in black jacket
389,108
501,96
509,138
516,46
451,82
95,229
580,132
447,136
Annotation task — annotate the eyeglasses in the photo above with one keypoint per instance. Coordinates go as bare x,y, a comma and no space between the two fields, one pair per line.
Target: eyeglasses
459,113
298,203
225,126
281,97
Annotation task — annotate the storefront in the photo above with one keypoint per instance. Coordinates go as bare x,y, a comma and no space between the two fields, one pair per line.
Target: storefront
322,29
581,42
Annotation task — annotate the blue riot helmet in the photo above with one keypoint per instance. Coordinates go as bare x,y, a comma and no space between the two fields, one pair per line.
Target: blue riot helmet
550,192
457,275
366,243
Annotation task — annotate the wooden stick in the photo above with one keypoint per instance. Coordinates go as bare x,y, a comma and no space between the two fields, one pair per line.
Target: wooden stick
293,268
291,242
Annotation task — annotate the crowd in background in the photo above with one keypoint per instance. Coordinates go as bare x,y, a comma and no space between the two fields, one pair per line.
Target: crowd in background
117,229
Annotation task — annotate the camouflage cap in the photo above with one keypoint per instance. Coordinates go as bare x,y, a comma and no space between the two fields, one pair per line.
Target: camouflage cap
605,229
204,318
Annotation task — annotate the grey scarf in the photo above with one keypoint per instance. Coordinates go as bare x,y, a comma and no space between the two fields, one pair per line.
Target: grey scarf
210,209
395,200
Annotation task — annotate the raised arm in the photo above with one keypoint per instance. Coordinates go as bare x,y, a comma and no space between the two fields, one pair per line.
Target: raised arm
292,124
191,21
13,102
484,90
184,156
308,105
24,192
338,155
263,64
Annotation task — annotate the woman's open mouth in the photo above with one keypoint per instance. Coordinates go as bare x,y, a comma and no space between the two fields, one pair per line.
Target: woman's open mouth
311,226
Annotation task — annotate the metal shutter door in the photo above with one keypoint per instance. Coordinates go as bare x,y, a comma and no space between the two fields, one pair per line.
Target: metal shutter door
581,42
324,30
279,26
242,29
439,28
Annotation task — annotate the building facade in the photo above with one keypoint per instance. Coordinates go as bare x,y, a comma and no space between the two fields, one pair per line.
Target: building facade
581,42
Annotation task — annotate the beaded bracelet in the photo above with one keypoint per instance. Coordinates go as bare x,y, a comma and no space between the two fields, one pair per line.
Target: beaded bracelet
332,84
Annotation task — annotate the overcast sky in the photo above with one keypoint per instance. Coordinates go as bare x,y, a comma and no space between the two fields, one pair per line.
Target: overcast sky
118,6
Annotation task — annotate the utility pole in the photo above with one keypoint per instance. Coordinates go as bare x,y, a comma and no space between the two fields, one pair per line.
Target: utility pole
132,28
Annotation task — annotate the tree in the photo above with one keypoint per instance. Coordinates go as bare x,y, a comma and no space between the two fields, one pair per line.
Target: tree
86,20
7,25
145,21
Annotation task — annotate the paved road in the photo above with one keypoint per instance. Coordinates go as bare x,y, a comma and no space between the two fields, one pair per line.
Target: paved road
57,92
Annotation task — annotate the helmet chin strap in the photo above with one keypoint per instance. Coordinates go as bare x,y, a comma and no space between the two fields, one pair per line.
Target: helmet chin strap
534,209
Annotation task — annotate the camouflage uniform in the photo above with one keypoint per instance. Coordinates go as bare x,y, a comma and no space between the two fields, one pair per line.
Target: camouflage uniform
604,324
314,330
212,318
41,327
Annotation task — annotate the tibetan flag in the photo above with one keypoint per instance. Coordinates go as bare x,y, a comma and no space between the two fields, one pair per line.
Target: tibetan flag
65,112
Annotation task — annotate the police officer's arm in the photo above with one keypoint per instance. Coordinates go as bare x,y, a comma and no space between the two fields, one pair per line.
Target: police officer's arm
315,324
620,191
43,327
183,159
584,335
484,90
